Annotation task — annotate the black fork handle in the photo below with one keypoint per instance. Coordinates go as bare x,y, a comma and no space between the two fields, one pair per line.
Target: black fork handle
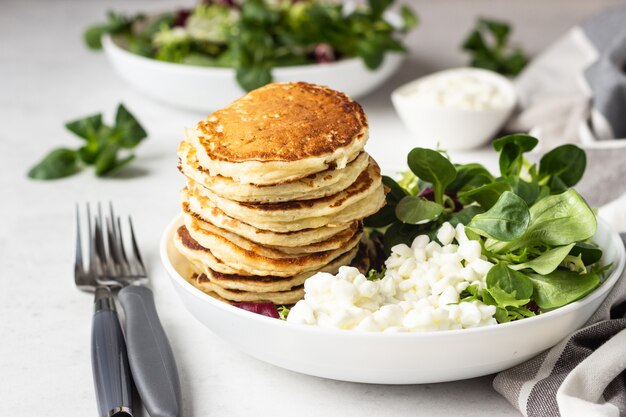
111,373
150,355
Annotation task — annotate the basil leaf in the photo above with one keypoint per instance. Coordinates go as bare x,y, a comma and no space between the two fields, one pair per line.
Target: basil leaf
547,261
129,129
86,127
565,162
107,159
562,287
499,30
486,195
59,163
433,167
507,220
417,210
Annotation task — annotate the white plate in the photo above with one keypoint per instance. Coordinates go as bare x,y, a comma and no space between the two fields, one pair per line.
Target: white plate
208,88
404,358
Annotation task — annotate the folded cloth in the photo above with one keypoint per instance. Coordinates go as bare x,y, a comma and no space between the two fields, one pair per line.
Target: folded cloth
580,77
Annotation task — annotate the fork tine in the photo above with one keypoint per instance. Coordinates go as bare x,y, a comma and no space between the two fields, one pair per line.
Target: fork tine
136,248
92,267
78,262
122,247
100,248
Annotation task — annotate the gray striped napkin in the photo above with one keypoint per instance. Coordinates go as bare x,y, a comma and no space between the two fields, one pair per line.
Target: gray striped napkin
580,377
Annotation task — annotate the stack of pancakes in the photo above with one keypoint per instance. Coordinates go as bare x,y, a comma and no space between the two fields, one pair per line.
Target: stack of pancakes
277,186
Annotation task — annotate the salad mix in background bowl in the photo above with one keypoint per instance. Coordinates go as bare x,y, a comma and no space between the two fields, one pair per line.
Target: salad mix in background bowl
255,36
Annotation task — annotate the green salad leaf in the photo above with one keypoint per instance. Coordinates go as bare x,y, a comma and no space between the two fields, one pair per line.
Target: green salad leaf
432,166
561,287
547,262
531,224
416,210
507,220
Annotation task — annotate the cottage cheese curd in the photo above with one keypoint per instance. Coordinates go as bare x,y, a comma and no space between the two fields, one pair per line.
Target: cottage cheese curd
420,290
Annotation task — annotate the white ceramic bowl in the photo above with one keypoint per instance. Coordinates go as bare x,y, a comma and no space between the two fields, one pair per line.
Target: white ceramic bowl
453,128
403,358
205,88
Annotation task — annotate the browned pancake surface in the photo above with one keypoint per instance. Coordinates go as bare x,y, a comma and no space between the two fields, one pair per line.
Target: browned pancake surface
283,122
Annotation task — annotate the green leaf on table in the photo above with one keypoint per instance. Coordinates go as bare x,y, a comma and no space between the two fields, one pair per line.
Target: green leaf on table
562,287
488,47
507,220
59,163
432,166
107,159
547,261
499,30
486,195
417,210
130,130
565,162
86,127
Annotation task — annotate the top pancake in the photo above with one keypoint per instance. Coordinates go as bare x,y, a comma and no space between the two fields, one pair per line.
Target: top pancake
281,132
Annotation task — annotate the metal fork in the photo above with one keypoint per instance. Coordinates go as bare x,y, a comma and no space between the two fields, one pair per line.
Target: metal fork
149,353
111,373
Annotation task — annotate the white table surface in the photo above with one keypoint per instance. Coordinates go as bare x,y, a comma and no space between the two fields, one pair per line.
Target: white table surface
48,77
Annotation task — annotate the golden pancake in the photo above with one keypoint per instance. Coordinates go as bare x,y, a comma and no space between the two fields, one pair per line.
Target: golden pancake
314,186
281,132
198,230
213,215
261,284
248,262
364,197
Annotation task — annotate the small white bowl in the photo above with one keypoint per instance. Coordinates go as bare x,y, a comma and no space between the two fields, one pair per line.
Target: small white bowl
401,358
209,88
451,128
